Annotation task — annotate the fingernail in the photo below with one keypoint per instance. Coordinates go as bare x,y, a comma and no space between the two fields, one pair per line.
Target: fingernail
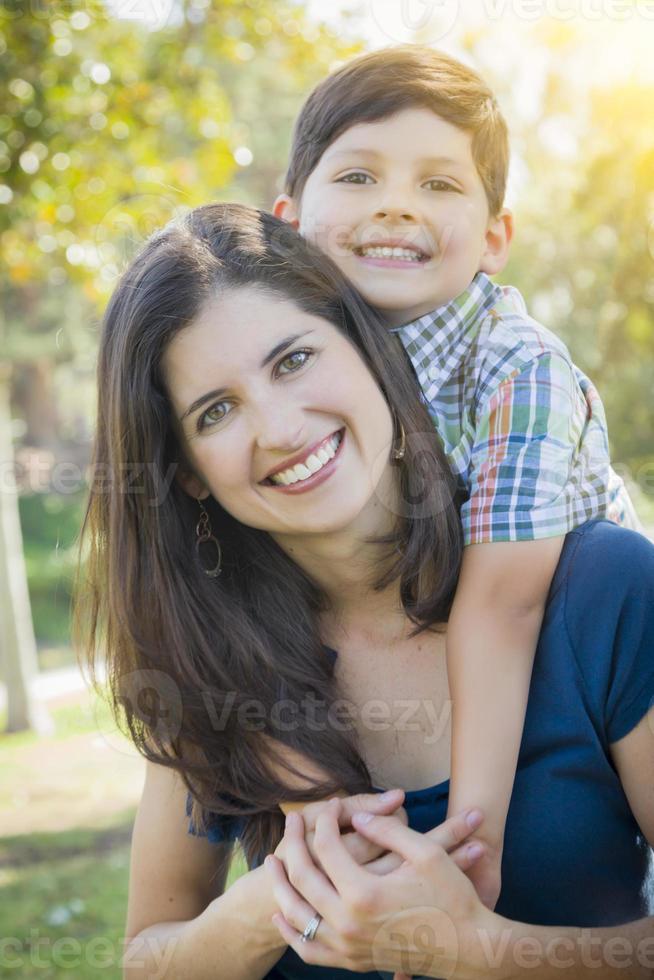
390,794
474,818
362,817
475,850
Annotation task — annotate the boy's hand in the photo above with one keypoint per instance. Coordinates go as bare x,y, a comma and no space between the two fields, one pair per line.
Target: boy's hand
363,851
486,874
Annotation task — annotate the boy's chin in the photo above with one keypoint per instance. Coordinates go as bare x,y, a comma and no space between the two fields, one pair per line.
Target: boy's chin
396,316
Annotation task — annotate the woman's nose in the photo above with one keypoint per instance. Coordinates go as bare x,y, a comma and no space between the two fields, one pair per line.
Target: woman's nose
279,431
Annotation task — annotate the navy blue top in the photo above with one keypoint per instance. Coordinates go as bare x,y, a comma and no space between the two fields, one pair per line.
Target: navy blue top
573,853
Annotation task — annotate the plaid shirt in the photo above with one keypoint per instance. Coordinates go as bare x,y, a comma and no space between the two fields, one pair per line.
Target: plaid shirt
522,427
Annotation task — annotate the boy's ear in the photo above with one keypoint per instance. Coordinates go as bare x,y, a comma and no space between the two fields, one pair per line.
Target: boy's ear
498,239
285,208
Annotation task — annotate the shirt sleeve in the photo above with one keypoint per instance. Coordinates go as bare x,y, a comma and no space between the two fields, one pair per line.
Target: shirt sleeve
540,462
220,828
610,622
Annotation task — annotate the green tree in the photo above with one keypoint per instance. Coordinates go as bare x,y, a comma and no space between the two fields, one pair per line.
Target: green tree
108,128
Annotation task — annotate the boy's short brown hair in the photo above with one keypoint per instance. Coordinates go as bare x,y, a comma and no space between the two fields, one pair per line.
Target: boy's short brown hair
381,83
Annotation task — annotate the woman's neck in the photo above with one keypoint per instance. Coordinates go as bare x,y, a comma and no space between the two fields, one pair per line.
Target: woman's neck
345,564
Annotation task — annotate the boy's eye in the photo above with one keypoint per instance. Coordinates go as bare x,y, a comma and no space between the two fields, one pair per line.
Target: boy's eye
440,185
297,360
357,177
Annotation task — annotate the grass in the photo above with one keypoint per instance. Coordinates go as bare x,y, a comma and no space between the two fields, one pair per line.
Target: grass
67,805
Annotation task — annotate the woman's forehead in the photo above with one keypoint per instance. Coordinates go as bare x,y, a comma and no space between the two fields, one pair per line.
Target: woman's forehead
235,332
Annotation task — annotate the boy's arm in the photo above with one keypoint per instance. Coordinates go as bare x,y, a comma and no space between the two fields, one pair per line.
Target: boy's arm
491,640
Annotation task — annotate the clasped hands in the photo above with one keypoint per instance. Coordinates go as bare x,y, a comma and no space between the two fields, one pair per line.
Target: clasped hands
390,898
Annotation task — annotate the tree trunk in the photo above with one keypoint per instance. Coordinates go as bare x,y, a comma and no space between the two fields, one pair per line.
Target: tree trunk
17,643
33,395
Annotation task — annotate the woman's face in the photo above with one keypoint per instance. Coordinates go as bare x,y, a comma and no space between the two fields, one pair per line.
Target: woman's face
264,394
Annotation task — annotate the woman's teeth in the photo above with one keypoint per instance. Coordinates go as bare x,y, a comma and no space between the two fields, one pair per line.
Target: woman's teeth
388,252
311,465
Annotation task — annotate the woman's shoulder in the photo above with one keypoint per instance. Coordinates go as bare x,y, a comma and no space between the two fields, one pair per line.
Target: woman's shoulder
606,565
604,588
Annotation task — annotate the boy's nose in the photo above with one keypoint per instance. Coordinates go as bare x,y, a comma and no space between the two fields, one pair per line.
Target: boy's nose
386,213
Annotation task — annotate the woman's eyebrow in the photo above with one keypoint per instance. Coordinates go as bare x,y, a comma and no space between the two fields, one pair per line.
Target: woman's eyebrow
270,356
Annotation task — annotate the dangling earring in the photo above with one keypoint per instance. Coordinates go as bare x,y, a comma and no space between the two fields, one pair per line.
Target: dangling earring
398,453
205,535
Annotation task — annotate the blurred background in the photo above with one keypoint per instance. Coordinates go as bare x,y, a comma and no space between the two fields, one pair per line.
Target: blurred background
115,117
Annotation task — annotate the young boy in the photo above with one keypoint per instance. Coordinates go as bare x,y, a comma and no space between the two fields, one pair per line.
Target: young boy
398,170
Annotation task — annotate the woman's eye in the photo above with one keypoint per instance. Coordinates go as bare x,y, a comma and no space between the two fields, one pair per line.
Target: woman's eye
354,178
296,360
440,185
212,415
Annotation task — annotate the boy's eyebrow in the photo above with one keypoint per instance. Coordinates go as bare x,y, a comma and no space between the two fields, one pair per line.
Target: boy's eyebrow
219,392
366,151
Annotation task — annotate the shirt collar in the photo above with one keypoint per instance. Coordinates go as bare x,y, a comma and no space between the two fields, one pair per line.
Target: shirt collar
449,323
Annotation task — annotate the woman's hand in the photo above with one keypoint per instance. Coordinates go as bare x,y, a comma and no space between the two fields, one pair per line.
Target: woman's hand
418,919
362,850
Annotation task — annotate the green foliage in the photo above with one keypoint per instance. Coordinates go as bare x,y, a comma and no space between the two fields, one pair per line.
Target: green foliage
107,130
50,524
107,127
63,893
584,248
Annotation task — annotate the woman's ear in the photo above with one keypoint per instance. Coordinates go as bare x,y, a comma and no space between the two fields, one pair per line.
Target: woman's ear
190,483
498,239
286,209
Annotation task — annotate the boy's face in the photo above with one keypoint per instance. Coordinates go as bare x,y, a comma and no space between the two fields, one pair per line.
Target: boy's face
407,183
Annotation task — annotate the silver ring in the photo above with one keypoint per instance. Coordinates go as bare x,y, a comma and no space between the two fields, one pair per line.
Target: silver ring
311,928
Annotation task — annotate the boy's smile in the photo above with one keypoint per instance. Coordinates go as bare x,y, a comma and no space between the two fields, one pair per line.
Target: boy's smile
400,207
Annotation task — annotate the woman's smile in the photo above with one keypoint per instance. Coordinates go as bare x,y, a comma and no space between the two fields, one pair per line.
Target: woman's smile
313,469
280,425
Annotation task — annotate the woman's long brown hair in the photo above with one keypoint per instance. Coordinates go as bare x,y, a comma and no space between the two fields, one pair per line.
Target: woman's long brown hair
203,672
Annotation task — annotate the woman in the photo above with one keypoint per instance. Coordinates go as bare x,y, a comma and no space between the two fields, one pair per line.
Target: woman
270,591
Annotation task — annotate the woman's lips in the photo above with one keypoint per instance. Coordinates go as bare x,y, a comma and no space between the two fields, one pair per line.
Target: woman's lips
316,478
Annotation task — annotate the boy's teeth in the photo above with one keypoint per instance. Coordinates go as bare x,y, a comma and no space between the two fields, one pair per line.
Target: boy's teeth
313,463
388,252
